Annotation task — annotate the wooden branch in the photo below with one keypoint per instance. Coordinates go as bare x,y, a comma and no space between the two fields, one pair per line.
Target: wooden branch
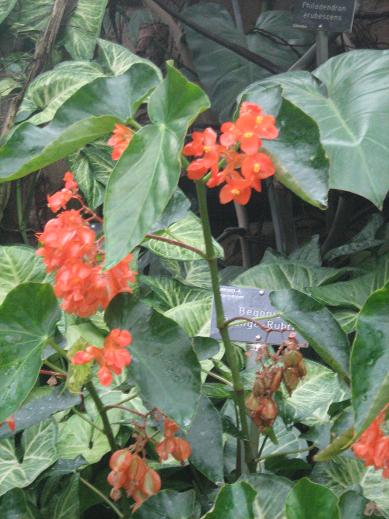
42,52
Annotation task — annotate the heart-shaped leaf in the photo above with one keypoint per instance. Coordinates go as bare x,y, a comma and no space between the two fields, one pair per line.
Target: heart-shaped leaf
307,500
233,502
28,317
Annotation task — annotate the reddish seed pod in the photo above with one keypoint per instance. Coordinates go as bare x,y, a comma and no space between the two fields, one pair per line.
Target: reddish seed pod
291,379
292,358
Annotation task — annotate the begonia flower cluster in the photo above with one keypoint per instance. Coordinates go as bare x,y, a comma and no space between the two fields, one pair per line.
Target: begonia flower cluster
111,358
70,249
373,445
235,159
129,472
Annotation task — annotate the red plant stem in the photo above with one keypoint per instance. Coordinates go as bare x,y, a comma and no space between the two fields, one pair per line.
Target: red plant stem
177,244
51,373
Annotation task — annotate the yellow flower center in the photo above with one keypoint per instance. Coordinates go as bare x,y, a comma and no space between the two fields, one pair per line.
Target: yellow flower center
248,135
207,149
256,167
235,192
259,119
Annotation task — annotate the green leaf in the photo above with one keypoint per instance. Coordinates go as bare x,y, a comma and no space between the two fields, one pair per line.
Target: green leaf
19,264
271,495
289,440
310,401
177,102
224,73
307,500
167,293
64,504
39,452
6,7
30,17
194,316
163,361
88,114
188,230
301,164
206,438
17,505
376,489
352,137
317,325
92,167
116,59
51,89
365,239
286,274
176,209
369,360
191,273
169,504
352,505
83,28
233,502
147,174
28,317
41,403
7,85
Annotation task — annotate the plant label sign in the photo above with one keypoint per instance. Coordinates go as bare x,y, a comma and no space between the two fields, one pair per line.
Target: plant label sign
254,304
324,15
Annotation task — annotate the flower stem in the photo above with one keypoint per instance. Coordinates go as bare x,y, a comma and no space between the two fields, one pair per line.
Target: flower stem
229,348
109,434
20,212
102,496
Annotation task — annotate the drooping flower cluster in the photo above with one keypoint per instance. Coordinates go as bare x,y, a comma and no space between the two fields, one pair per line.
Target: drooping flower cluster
10,422
111,358
131,473
120,139
71,249
179,448
236,160
373,445
286,366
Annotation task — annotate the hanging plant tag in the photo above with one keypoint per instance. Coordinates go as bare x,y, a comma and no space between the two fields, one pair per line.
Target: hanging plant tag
321,15
251,303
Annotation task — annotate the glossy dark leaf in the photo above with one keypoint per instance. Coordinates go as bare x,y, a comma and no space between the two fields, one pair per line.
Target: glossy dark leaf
169,505
206,438
233,502
370,360
164,364
271,491
16,504
317,326
28,317
307,500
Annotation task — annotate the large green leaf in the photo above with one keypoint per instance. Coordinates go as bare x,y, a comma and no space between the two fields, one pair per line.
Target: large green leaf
307,500
310,401
289,441
116,59
39,452
19,264
233,502
169,504
206,438
369,360
194,316
51,89
28,317
83,28
317,325
17,505
286,274
30,17
271,495
88,114
164,364
6,7
41,403
301,164
147,174
62,496
224,73
336,96
188,230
